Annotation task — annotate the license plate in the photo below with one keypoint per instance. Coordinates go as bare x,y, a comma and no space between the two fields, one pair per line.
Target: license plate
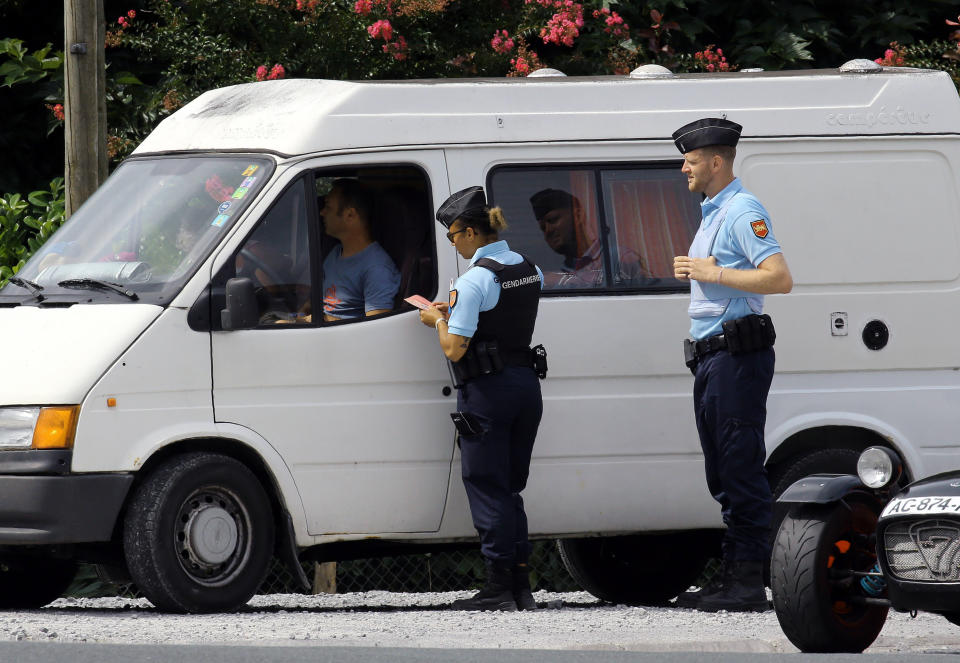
921,505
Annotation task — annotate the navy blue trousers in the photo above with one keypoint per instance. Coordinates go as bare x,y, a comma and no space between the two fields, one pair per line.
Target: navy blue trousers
730,402
496,462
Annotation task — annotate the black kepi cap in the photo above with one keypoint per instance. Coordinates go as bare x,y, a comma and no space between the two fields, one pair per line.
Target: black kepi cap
706,132
458,203
547,200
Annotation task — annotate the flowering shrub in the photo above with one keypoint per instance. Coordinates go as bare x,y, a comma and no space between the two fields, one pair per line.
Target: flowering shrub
711,60
501,42
565,24
57,110
525,62
275,72
892,57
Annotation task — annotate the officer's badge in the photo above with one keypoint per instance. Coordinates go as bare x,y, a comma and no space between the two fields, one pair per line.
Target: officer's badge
760,228
453,298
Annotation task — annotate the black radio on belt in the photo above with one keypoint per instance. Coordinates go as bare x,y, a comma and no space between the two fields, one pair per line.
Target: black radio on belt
747,334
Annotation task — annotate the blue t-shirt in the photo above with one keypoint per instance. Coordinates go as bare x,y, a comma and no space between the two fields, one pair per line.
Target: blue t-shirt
744,240
365,281
478,290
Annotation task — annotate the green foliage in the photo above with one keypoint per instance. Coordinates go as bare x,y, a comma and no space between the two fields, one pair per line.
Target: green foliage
26,224
21,66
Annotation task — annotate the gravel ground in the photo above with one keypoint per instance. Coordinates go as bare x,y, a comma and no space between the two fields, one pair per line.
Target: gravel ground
570,621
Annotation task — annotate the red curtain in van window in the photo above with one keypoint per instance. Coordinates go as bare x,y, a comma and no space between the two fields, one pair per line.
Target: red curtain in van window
654,218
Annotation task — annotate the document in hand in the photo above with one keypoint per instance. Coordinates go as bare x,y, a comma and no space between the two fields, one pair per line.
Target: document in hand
419,302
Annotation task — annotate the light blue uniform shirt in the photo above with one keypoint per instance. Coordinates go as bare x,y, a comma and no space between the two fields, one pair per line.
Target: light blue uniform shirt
478,289
735,230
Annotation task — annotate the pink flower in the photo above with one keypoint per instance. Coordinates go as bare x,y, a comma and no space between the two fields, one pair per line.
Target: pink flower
501,42
262,72
57,110
520,65
123,22
363,7
398,48
564,26
276,72
132,14
381,29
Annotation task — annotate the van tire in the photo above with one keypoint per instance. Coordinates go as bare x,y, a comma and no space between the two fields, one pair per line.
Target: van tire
27,583
640,569
198,534
815,596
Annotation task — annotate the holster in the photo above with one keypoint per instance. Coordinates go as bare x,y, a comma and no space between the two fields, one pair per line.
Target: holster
690,354
749,334
539,357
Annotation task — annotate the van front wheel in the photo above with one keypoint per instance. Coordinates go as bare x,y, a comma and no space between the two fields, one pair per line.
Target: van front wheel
198,534
641,569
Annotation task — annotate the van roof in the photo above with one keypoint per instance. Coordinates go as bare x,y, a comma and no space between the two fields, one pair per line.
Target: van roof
302,116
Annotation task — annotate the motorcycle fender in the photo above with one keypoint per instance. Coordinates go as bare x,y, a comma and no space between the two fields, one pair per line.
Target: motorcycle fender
822,489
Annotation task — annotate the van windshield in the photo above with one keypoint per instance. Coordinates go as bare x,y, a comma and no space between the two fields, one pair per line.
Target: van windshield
143,233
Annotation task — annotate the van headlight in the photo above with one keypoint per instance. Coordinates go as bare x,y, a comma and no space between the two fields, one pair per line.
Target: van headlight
38,427
878,467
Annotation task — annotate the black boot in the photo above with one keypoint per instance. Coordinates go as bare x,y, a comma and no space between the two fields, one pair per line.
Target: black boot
690,599
521,588
496,594
742,590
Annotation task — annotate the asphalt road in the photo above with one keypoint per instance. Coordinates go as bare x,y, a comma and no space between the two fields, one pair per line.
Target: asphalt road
36,652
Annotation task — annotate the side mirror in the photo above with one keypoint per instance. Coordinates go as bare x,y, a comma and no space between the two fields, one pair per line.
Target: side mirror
241,311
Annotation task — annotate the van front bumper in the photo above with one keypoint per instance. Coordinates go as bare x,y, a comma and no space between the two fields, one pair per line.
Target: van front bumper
42,503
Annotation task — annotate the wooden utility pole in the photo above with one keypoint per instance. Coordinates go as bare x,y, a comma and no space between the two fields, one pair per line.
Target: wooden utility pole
85,109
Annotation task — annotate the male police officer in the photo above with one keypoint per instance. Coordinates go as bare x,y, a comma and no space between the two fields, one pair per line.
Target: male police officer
734,260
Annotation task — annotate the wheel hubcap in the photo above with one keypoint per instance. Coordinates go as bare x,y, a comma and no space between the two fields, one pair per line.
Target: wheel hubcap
212,535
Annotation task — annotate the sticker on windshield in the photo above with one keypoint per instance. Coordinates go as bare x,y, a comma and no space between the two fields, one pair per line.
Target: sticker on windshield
248,182
220,220
251,169
240,192
224,206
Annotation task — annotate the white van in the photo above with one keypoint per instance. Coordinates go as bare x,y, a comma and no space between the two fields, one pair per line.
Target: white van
171,409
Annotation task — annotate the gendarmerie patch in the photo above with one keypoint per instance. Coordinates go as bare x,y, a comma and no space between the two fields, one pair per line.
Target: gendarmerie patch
760,228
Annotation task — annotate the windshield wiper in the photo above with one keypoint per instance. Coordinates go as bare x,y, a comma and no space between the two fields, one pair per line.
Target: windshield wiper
97,284
27,285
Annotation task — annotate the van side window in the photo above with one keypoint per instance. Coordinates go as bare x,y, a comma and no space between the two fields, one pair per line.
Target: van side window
276,257
377,240
596,229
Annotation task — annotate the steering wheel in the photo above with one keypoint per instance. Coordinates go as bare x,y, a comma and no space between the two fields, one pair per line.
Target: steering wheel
259,263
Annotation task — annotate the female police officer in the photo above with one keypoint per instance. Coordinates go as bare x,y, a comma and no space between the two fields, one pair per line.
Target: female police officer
492,311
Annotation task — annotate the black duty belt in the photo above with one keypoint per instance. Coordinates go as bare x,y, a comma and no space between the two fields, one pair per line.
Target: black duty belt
747,334
710,344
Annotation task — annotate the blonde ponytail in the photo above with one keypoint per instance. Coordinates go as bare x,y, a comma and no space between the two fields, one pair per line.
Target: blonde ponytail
497,222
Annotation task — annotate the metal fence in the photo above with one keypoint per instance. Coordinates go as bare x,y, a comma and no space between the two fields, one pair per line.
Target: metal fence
424,572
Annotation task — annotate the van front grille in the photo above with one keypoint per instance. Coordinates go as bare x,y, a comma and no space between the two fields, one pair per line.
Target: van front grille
924,550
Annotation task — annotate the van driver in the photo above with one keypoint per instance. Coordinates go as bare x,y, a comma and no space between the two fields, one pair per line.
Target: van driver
359,277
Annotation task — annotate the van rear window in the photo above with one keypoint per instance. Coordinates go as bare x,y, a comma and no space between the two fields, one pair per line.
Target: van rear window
599,228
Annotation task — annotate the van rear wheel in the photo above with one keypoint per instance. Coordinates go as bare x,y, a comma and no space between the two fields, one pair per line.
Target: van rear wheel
198,534
641,569
33,582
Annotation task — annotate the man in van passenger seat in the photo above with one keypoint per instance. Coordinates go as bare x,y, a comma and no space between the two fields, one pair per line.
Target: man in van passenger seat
359,278
734,260
563,223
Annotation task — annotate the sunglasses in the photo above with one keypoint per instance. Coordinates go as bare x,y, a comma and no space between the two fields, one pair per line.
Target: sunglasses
450,236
